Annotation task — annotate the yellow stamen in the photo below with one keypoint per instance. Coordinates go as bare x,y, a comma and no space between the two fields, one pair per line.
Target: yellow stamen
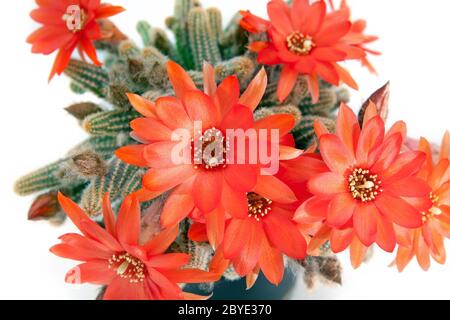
300,44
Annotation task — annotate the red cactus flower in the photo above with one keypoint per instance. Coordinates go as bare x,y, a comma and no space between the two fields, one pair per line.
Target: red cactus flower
369,188
67,25
205,187
115,257
257,236
305,40
429,239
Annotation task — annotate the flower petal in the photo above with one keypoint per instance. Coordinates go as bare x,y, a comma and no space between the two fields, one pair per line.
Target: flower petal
357,253
215,226
364,223
132,154
121,289
341,239
207,190
209,79
142,105
371,137
197,232
181,81
282,122
347,127
274,189
227,94
335,154
279,17
290,241
151,129
239,117
406,164
241,177
271,263
172,113
236,236
168,178
255,91
341,209
327,184
288,79
234,201
407,187
128,226
398,211
387,154
385,237
73,211
249,254
168,261
178,206
162,241
200,107
94,272
316,14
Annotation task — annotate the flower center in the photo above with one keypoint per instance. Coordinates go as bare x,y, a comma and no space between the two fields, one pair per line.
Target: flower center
210,150
363,185
299,43
258,206
127,267
434,210
75,18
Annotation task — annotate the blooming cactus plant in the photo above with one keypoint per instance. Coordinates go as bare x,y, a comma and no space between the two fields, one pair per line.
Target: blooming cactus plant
175,155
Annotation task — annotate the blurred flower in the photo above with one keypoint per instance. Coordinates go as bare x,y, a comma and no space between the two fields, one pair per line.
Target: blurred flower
67,25
429,239
306,40
114,256
369,186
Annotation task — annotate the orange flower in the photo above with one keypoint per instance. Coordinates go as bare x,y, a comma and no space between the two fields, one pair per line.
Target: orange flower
68,24
210,187
257,239
305,40
369,187
429,239
114,256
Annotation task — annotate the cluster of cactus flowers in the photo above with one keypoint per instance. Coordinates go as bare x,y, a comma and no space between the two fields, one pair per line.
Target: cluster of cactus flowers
180,224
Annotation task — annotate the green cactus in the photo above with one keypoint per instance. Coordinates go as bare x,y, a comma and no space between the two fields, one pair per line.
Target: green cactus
234,39
158,38
76,88
178,24
202,39
327,101
241,66
113,182
109,123
88,77
45,178
304,131
215,23
102,145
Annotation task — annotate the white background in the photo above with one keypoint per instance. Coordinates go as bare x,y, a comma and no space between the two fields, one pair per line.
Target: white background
35,130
